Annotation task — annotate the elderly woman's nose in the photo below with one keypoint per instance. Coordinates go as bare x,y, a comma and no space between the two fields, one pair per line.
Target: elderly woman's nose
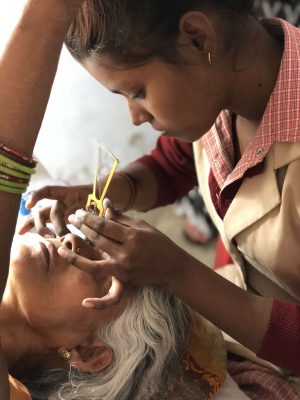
71,241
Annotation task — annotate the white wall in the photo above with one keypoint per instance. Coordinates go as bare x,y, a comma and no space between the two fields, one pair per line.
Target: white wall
79,113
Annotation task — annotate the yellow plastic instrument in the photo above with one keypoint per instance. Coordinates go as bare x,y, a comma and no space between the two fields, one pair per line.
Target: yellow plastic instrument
95,204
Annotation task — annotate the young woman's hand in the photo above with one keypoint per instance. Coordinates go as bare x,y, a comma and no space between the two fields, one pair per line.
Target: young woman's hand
68,199
138,254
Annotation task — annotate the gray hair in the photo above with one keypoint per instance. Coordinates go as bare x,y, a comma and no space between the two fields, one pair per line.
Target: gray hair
148,339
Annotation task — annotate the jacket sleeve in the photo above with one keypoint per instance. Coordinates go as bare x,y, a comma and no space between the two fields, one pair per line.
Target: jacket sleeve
281,344
172,163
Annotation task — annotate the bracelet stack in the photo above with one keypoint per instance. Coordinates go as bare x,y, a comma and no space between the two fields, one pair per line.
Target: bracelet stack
15,170
132,190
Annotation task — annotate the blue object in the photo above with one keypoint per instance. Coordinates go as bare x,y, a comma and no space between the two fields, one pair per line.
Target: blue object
23,210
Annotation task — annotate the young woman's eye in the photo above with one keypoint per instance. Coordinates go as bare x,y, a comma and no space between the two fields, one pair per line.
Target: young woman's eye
138,95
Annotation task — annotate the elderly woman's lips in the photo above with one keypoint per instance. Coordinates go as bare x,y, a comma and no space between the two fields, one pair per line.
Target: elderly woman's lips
46,253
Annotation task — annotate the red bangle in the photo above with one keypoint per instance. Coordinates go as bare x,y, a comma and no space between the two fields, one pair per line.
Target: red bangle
133,190
20,158
12,178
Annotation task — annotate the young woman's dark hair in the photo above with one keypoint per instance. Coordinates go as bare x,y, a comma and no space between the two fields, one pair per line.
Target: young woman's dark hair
131,32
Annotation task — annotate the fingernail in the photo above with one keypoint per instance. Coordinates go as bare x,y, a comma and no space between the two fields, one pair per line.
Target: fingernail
106,202
80,213
88,304
72,218
27,204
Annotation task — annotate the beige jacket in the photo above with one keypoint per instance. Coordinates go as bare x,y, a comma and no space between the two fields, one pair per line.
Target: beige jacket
262,224
261,228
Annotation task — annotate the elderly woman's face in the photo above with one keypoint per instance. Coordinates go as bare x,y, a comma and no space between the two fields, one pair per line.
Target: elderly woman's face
48,292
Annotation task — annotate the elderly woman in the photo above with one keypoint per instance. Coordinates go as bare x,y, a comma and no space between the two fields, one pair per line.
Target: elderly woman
150,345
140,349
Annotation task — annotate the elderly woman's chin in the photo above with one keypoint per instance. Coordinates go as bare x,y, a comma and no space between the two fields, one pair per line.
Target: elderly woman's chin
21,245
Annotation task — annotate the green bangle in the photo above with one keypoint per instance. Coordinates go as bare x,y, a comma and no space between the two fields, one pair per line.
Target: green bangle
13,172
8,189
15,165
15,185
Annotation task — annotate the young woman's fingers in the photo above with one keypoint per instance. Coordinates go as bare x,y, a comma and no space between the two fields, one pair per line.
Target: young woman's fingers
99,226
120,218
57,217
46,192
26,226
54,214
111,246
111,213
41,217
108,209
38,221
83,216
100,269
33,199
78,261
112,298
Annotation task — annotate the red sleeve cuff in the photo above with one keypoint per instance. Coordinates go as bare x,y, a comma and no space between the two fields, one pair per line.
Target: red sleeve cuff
173,165
166,193
281,344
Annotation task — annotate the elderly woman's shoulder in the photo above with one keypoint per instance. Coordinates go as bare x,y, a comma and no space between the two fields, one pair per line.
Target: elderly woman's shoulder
17,390
204,362
10,388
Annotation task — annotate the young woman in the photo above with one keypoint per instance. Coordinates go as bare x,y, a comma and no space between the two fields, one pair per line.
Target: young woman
225,90
150,345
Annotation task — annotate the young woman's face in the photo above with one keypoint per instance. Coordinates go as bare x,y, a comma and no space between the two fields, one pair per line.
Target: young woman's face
48,292
183,103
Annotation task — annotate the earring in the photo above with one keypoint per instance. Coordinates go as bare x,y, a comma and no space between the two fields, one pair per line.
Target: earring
65,354
78,250
209,58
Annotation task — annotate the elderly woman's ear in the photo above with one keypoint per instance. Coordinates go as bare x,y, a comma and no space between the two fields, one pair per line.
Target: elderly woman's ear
92,356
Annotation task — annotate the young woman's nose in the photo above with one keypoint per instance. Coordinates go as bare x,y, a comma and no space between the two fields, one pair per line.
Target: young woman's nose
138,114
